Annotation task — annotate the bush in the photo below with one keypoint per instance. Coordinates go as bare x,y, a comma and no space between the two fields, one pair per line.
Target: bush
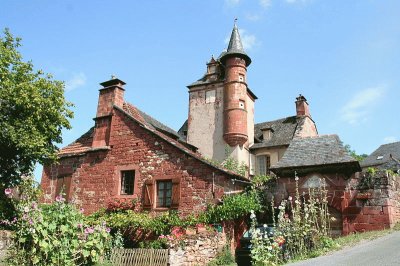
53,234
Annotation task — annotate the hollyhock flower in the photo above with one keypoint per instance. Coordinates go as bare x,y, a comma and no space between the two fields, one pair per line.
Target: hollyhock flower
26,209
290,198
89,230
108,230
80,225
8,191
81,210
161,236
59,198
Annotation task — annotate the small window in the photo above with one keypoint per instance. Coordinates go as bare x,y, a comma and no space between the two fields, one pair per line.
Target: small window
241,104
127,182
263,164
210,96
241,77
164,193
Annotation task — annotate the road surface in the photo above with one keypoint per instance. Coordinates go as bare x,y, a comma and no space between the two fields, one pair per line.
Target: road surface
383,251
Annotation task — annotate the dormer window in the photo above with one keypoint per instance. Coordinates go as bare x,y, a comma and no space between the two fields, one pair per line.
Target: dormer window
380,157
267,133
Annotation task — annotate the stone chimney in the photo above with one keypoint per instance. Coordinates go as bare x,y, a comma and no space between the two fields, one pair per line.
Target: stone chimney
111,94
302,108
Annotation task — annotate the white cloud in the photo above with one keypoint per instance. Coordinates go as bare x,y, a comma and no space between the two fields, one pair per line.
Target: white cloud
248,40
265,3
232,3
389,139
358,108
76,81
253,17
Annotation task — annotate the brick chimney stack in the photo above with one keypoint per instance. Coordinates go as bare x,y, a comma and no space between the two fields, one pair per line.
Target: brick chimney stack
111,94
302,108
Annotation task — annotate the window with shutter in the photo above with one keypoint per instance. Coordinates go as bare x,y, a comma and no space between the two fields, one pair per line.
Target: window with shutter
164,193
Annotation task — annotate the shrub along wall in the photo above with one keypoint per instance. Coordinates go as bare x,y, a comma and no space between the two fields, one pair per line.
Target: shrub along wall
197,249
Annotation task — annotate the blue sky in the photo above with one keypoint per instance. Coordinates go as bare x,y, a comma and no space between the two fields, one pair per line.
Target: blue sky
342,55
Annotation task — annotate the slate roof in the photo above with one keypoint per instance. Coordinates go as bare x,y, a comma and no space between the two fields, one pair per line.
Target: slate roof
321,150
387,155
235,47
283,132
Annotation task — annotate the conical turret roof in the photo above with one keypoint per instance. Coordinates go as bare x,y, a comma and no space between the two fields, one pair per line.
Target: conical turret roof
235,47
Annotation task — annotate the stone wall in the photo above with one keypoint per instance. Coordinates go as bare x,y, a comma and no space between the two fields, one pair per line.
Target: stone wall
95,176
5,242
372,203
197,249
361,202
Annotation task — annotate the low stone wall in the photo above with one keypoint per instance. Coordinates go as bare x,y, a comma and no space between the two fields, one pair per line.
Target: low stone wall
5,242
197,249
374,204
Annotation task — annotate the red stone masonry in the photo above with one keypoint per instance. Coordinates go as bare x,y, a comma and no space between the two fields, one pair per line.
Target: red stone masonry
135,145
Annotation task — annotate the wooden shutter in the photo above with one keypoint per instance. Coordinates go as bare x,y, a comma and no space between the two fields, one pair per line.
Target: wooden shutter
148,194
67,187
59,185
176,193
64,186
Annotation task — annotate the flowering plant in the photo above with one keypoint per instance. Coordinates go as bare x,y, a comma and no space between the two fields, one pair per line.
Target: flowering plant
53,234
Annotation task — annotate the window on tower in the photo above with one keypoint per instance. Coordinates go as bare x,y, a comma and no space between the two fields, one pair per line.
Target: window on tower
241,77
241,104
210,96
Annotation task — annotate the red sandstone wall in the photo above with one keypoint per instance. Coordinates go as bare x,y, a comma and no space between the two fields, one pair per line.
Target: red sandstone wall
95,175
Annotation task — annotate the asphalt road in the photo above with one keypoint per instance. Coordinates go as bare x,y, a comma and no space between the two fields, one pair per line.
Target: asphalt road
384,251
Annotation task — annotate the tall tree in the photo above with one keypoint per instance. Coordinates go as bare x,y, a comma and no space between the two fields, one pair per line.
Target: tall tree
33,112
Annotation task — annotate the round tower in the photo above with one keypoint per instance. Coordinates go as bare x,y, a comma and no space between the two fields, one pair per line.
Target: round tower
235,61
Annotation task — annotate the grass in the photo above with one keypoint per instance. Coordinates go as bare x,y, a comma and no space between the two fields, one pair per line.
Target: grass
343,242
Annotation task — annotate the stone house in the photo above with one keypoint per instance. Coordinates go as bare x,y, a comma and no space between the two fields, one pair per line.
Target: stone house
128,155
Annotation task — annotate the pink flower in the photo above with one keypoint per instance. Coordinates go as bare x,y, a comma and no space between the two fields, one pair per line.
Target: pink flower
8,192
80,225
108,230
161,236
82,210
60,198
89,230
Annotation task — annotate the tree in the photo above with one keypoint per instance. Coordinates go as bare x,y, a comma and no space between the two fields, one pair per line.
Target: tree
352,153
33,112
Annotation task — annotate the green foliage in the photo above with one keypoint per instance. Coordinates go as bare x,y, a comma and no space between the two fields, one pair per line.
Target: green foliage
371,171
235,166
224,258
137,225
160,243
261,180
53,234
33,112
233,207
352,153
